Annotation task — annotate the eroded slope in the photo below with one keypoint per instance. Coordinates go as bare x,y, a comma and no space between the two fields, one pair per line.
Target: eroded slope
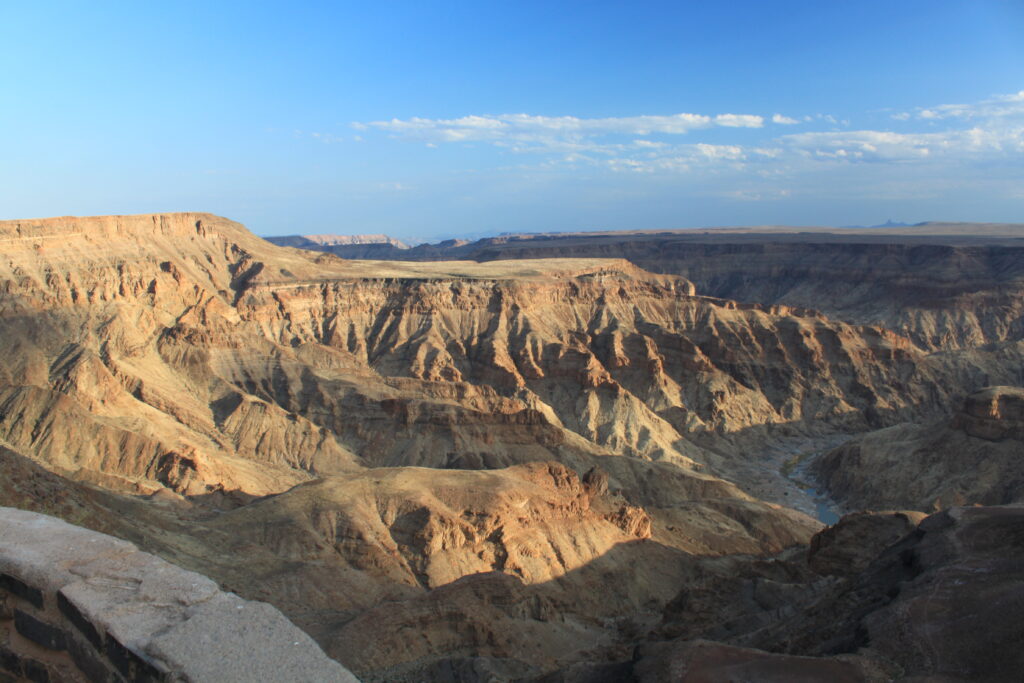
297,410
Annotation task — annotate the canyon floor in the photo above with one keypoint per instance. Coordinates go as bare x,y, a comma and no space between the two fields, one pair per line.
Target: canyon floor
547,458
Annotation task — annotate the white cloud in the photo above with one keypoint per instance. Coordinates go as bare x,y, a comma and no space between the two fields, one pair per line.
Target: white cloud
510,128
730,152
877,146
995,107
739,120
949,140
650,144
784,120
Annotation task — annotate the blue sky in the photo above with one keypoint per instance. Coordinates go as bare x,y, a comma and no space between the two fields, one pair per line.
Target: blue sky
429,119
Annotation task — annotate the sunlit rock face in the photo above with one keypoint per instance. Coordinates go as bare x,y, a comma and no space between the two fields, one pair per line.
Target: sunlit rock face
200,358
941,285
532,463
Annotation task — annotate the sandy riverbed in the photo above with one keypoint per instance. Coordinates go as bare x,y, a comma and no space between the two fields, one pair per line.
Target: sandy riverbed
767,476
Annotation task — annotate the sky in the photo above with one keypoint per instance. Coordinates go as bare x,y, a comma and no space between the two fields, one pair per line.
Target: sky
428,120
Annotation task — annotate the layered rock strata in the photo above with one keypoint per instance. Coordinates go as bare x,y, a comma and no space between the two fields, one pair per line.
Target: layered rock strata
941,285
470,452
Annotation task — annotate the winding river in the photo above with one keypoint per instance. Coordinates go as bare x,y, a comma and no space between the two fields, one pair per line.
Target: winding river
825,509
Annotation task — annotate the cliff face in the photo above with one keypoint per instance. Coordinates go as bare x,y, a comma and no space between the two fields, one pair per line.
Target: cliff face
939,289
993,414
973,458
939,296
330,243
84,388
199,357
928,605
297,409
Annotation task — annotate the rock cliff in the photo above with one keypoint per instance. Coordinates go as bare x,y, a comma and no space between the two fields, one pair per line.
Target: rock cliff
200,358
928,606
976,457
942,286
472,452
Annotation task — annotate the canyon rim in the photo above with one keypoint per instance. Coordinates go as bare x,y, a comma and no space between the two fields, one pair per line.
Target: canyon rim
560,458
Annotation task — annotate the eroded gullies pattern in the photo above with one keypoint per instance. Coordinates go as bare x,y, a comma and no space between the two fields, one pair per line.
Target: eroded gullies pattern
473,452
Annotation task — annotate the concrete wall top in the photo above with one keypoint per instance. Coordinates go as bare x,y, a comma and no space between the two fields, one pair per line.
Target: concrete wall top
82,605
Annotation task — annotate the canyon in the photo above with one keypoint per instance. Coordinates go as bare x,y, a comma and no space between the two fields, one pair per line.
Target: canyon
552,458
942,285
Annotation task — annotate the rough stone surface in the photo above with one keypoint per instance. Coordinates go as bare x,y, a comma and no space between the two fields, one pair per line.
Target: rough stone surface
109,605
136,596
42,551
254,642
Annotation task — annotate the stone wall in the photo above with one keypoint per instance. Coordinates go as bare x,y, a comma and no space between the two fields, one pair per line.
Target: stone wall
77,605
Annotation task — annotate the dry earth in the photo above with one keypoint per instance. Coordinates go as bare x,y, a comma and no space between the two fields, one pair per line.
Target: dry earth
464,470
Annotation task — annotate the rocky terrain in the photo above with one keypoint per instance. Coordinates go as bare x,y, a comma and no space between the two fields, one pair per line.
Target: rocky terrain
931,605
975,457
514,468
941,285
348,246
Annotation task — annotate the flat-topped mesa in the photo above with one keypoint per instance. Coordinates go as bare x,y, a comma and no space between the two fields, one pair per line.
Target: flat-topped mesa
993,413
101,258
943,285
57,262
180,224
315,241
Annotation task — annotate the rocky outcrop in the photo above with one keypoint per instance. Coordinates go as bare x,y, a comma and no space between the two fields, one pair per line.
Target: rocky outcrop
993,414
428,528
486,562
80,606
932,604
929,605
974,458
848,547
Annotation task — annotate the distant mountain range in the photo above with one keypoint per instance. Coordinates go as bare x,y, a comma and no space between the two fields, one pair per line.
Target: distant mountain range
313,241
888,224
